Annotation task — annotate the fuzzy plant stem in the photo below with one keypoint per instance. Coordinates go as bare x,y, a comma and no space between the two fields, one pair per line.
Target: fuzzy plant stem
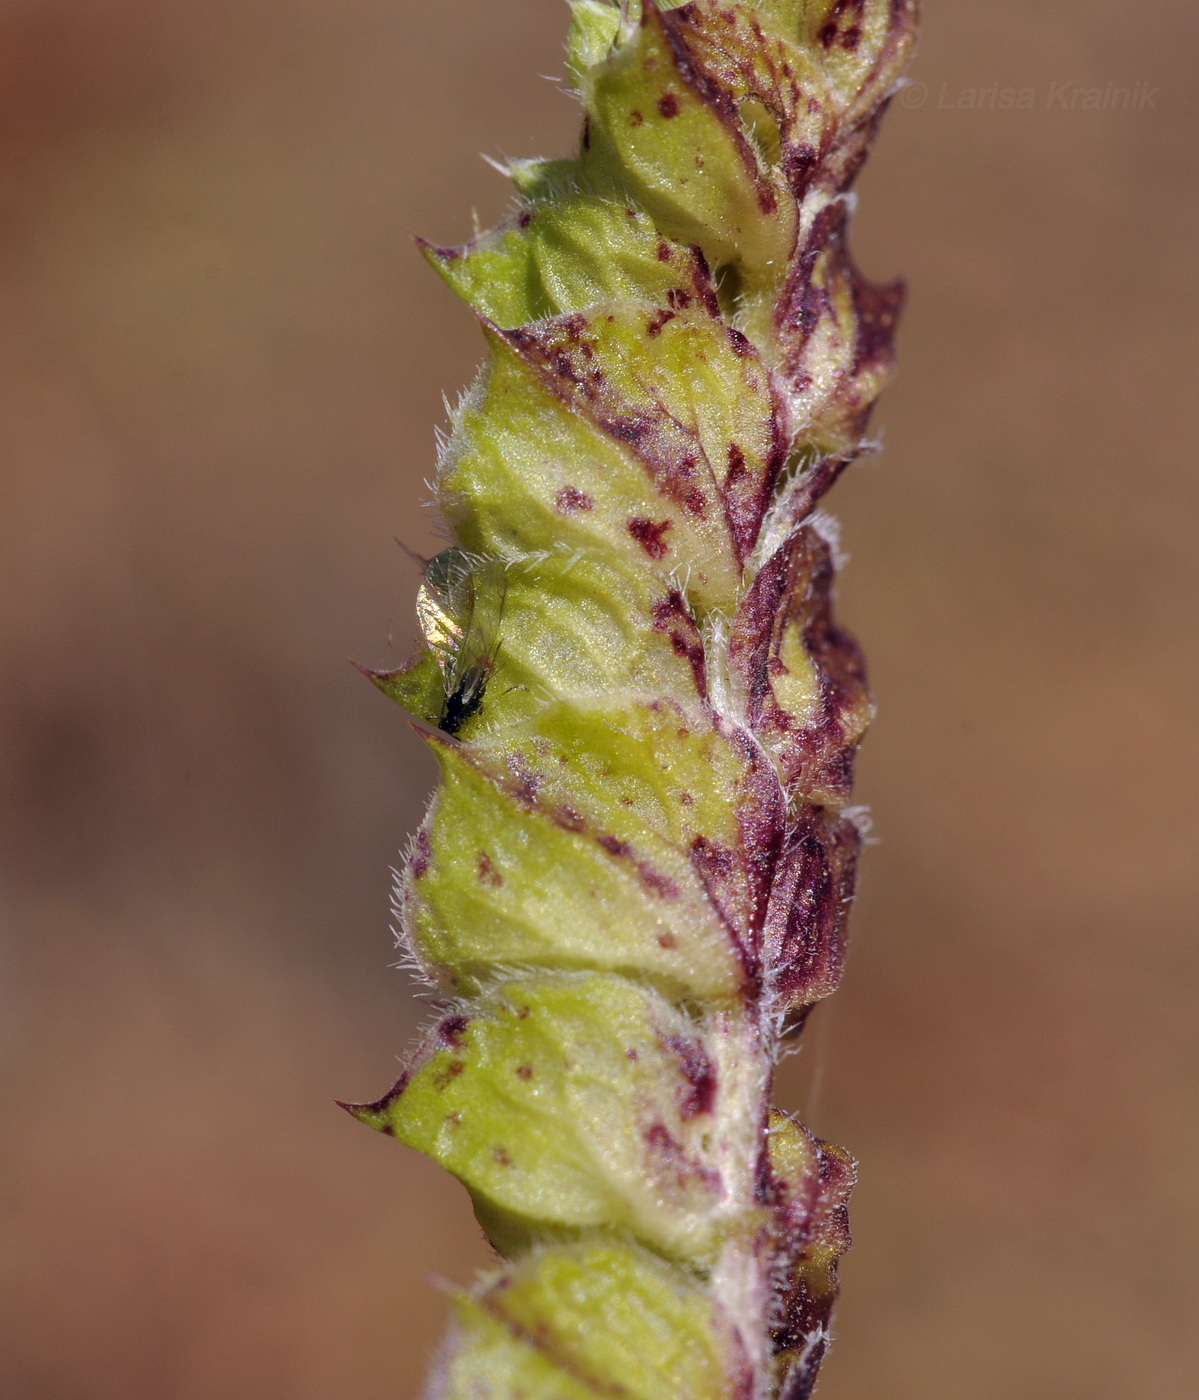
633,881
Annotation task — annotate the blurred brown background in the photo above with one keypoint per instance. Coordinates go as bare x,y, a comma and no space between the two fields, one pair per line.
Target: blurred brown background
221,368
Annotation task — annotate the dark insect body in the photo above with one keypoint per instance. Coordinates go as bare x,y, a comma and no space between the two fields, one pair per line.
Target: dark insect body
460,604
466,701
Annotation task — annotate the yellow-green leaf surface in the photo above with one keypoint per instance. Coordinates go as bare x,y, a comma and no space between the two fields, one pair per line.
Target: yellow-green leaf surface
591,840
583,1102
592,1319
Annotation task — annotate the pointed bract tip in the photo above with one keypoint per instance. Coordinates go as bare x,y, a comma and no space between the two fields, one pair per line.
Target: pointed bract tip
376,1115
436,253
377,677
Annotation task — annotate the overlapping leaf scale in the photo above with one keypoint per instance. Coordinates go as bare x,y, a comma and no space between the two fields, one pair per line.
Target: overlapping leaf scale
579,1321
656,136
800,678
598,839
584,1102
542,262
834,331
803,948
810,1182
668,413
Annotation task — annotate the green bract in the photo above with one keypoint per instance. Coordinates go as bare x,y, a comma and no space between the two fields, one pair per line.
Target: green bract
635,875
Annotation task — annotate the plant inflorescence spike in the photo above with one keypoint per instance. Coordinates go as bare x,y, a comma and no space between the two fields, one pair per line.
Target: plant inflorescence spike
635,875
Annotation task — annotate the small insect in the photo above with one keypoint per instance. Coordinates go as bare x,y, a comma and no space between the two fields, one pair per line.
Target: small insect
459,605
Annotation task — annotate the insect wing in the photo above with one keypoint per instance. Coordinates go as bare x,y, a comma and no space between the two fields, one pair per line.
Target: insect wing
460,606
444,607
481,637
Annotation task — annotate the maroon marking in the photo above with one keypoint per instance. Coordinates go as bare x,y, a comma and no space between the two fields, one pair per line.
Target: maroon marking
659,1138
662,885
631,428
488,874
844,25
742,345
672,617
522,1013
699,1072
794,589
877,309
649,536
686,799
693,501
736,471
526,784
443,254
570,819
713,861
681,646
804,933
721,873
743,1374
453,1030
421,855
801,304
663,251
713,78
805,305
443,1078
800,1380
667,940
658,320
501,1156
705,288
761,826
678,299
635,118
812,1221
524,1072
380,1107
667,610
667,447
570,500
668,105
736,881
